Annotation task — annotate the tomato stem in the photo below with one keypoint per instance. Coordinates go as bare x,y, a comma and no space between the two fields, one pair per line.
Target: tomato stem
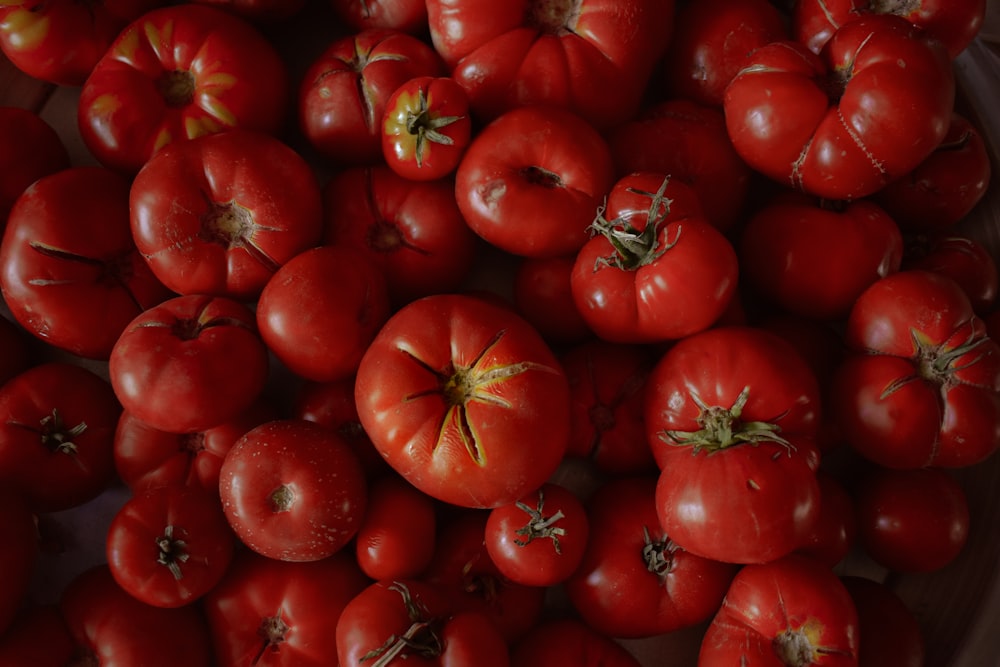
172,552
722,427
56,436
540,526
635,248
658,554
419,639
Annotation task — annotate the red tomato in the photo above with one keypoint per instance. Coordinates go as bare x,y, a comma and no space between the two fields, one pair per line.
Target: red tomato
426,128
922,384
57,423
343,92
29,149
892,96
38,637
655,269
568,642
114,629
593,56
189,364
275,613
813,258
731,414
408,16
543,295
177,73
465,400
260,11
891,636
538,540
293,490
60,41
406,623
71,273
219,214
396,538
912,520
791,611
634,580
320,311
835,532
18,552
169,545
531,181
413,231
964,260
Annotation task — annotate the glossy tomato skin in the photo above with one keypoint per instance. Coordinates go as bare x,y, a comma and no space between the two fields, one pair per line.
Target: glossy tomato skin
220,213
966,261
568,642
543,295
793,608
396,538
673,275
343,92
465,400
189,364
29,149
18,552
176,73
835,532
409,16
530,181
280,613
71,273
893,109
57,424
891,635
169,545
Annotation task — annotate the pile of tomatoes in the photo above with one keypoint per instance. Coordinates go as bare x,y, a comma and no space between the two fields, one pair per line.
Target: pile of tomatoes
463,332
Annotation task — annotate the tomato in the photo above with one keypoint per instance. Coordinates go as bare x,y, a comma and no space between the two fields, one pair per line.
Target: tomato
538,540
319,312
634,580
190,363
891,636
261,11
38,637
29,149
409,16
921,385
343,92
964,260
57,423
835,532
791,611
892,96
912,520
465,400
543,295
169,545
60,41
731,414
18,553
176,73
219,214
711,43
409,623
592,56
71,273
397,535
531,181
275,613
413,231
426,128
813,258
114,629
569,642
655,269
293,490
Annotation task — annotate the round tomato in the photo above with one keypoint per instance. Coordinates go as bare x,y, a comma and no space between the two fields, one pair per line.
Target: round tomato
408,16
891,635
396,538
569,642
835,532
966,261
29,149
543,295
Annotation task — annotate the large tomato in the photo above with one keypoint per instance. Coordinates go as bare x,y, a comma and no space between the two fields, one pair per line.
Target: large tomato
397,535
219,214
29,149
569,642
843,124
966,261
176,73
891,635
465,399
592,56
408,16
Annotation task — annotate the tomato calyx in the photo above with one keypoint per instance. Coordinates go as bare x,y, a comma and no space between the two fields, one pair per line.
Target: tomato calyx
540,526
798,647
272,631
898,7
420,638
635,248
177,88
426,126
232,226
658,554
722,427
281,499
553,17
936,363
172,552
55,435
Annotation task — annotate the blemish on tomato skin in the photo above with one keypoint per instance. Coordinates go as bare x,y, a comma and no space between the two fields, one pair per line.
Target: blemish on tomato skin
491,193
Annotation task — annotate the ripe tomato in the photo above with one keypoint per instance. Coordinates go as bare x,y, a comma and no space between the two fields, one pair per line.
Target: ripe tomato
569,642
465,400
71,273
731,414
921,385
530,181
276,613
38,637
426,128
343,92
177,73
169,545
190,363
219,214
397,535
655,269
18,553
891,636
835,532
408,16
790,611
293,490
543,295
966,261
57,423
29,149
892,96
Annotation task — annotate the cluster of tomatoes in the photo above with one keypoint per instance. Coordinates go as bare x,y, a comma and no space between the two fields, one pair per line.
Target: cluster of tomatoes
464,332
